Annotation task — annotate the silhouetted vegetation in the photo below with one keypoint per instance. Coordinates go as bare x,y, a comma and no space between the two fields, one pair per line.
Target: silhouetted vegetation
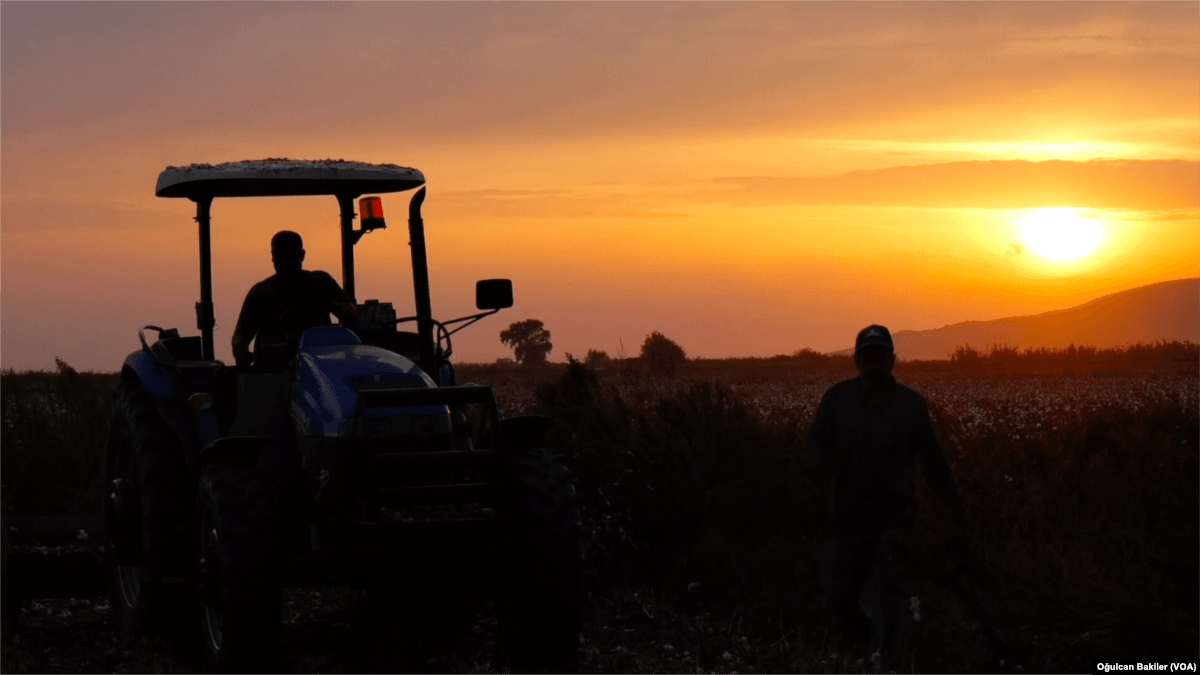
529,340
703,536
1072,358
597,359
53,440
1082,520
662,355
1180,357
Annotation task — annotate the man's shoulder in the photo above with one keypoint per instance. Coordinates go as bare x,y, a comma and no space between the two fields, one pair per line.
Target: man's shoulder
321,278
842,389
262,288
909,394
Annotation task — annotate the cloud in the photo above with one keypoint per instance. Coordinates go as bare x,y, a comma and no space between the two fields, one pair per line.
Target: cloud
1168,188
558,70
491,193
496,203
1014,249
39,215
1153,185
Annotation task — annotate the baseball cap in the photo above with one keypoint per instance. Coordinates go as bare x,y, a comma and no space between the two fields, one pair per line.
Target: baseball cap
873,335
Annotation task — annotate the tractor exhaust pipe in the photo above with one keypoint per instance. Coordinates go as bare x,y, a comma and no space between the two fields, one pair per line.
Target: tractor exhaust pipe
420,267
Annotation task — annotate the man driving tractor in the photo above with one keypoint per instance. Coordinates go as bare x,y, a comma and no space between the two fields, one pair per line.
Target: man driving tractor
287,302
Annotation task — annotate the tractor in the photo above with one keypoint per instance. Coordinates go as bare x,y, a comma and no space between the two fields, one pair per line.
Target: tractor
345,455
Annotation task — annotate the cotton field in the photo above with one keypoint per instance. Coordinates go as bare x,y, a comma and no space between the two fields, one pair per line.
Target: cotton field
963,408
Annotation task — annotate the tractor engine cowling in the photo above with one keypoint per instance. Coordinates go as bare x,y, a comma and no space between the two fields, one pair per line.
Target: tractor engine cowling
333,366
345,444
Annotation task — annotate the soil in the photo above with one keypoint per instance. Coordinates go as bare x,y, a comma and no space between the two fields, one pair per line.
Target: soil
330,630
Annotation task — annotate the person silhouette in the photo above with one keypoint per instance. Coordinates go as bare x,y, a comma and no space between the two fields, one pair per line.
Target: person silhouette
868,431
284,304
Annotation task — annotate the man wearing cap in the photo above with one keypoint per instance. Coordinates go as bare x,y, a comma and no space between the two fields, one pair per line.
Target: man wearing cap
867,432
288,301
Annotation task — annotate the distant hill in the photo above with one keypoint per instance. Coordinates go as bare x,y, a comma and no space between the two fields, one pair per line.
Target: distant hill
1169,311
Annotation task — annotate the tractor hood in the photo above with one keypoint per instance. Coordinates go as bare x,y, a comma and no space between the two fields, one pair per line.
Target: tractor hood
333,366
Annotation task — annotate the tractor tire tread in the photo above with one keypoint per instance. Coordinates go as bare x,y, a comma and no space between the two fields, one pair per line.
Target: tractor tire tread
162,476
247,524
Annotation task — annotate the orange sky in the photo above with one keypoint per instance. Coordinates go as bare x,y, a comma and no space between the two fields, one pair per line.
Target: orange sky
749,179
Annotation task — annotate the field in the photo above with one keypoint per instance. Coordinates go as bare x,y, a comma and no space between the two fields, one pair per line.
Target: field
704,537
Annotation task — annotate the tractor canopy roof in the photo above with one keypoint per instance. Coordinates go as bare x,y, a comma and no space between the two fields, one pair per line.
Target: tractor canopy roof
285,178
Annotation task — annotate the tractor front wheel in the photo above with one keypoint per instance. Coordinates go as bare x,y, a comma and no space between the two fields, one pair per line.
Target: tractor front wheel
240,595
539,594
148,516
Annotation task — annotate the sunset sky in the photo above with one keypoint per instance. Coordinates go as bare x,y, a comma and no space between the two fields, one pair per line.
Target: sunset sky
748,179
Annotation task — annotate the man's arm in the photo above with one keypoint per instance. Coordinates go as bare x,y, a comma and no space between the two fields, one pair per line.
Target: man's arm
937,472
244,332
821,456
340,304
346,312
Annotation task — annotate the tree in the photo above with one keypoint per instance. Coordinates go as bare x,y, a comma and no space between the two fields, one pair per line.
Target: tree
597,359
662,354
529,340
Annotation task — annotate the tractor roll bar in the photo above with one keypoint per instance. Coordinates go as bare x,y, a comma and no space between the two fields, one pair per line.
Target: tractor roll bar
349,238
205,319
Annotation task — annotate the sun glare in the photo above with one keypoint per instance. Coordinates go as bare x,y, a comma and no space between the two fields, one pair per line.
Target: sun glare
1061,234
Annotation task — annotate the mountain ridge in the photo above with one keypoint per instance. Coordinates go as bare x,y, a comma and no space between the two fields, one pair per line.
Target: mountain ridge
1166,310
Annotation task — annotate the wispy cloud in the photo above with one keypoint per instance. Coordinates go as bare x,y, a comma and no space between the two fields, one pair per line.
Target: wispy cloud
39,215
1147,185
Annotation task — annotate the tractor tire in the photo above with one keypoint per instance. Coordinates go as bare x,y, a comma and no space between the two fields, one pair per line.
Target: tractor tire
539,594
240,594
153,594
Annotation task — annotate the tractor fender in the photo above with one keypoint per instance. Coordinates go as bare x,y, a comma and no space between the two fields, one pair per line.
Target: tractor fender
164,387
525,431
240,451
158,381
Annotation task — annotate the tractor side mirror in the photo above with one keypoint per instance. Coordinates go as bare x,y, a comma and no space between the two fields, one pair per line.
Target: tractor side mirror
493,294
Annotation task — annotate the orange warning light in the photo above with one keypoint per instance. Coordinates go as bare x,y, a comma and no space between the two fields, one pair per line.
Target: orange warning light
370,210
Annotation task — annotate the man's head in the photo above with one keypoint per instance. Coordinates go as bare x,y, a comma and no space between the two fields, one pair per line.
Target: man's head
287,252
874,354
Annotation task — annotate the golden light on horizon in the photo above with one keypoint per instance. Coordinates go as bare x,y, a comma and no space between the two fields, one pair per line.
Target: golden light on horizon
1061,234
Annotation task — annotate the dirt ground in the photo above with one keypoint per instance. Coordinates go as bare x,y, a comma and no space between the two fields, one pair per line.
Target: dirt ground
329,630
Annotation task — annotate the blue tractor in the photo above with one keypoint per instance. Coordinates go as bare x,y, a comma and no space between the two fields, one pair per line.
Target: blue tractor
348,455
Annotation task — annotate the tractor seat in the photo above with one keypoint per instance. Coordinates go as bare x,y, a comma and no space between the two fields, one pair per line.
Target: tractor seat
272,355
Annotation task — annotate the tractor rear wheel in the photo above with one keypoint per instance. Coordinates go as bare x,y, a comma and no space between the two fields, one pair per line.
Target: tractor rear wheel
539,593
240,594
148,515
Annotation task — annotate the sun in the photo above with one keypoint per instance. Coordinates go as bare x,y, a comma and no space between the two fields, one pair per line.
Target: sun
1061,234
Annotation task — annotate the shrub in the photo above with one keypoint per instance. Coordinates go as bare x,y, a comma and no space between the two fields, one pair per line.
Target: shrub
662,354
682,484
597,359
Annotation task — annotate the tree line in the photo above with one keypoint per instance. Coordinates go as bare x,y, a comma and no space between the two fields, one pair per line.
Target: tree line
530,342
531,345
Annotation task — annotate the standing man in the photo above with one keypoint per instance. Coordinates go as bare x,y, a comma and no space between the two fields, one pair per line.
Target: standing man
868,432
